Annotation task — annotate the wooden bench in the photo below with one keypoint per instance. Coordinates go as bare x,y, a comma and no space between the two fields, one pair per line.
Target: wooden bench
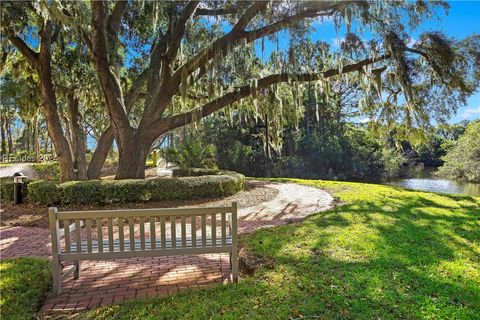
150,233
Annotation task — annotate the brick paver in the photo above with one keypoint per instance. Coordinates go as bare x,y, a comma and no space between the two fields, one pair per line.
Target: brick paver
114,281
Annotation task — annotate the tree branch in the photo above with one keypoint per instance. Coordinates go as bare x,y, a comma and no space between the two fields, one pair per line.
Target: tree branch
114,19
182,119
134,92
181,27
32,56
229,41
108,79
248,16
215,12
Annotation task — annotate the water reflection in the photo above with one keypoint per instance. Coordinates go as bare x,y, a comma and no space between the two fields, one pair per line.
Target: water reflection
424,180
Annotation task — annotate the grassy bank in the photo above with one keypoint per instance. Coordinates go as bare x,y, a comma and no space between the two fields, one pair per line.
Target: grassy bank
386,253
24,282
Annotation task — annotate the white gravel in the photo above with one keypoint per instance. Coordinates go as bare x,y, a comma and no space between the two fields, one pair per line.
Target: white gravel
292,201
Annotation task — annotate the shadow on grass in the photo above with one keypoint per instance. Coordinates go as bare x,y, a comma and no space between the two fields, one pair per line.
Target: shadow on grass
387,253
405,256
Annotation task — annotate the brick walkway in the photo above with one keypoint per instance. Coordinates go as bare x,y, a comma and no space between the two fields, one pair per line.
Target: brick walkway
107,282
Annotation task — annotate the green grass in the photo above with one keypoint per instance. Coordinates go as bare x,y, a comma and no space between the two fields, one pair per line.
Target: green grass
24,283
6,164
387,253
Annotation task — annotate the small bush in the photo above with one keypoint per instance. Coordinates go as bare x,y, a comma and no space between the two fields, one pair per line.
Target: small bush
47,170
44,192
192,154
6,189
80,191
194,172
108,191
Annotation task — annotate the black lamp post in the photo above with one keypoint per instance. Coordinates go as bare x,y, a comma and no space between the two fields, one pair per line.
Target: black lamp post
17,187
255,132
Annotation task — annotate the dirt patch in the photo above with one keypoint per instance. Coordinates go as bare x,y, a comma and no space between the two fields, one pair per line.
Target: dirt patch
30,215
248,263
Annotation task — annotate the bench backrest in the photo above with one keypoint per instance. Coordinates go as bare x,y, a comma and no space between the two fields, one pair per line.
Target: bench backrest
135,232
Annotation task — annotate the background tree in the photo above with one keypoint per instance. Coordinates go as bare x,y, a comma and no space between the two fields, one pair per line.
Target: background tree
29,29
462,161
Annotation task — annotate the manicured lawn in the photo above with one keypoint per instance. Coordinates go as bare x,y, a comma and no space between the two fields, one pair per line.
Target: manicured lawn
24,283
387,253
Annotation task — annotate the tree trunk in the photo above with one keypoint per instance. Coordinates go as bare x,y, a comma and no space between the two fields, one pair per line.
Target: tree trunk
78,143
50,109
4,139
26,136
45,150
36,140
132,158
9,136
100,154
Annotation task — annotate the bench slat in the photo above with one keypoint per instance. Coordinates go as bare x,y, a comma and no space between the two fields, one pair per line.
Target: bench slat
184,231
78,238
88,225
100,235
169,245
204,230
121,234
127,213
66,228
110,234
150,253
152,233
131,233
213,222
142,232
194,231
162,227
224,230
173,230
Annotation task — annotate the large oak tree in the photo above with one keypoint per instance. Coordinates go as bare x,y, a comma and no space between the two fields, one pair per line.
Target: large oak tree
162,65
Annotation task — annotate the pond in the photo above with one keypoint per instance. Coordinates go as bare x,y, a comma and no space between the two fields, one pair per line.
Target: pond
425,180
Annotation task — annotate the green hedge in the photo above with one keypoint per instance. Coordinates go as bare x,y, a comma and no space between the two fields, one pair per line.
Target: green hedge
195,172
6,189
108,191
47,170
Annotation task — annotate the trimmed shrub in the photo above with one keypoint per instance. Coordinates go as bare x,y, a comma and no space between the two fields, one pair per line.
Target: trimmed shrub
6,189
80,191
108,191
195,172
47,170
44,192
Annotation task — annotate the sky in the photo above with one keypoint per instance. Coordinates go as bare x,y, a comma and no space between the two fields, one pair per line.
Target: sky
463,19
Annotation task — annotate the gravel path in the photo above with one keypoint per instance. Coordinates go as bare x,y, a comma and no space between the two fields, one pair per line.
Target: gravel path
293,202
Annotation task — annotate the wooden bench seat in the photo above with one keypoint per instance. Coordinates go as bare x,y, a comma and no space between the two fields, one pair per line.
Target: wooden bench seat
140,233
138,251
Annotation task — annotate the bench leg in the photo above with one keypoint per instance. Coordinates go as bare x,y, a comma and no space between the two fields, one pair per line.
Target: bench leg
76,273
57,276
234,265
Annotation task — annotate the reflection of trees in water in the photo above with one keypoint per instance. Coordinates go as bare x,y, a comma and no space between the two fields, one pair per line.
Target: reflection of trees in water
426,180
